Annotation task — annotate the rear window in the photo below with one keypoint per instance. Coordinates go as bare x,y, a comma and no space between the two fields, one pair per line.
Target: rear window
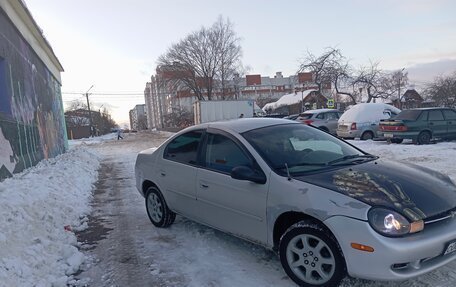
305,116
408,115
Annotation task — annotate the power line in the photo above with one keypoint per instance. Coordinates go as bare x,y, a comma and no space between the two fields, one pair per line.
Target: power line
108,93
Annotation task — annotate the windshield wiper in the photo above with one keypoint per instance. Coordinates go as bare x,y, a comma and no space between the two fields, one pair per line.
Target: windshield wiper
354,157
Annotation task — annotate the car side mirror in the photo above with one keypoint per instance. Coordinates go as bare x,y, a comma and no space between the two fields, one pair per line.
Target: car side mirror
247,173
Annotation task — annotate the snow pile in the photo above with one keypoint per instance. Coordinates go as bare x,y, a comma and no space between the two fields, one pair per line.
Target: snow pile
38,209
287,100
94,140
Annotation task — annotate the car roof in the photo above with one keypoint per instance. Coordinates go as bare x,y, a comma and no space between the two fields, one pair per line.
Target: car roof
319,111
243,125
430,108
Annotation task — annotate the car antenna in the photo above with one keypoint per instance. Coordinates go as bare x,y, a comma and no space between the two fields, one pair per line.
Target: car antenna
288,172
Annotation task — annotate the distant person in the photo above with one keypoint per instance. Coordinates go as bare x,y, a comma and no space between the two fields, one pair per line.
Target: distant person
241,116
119,134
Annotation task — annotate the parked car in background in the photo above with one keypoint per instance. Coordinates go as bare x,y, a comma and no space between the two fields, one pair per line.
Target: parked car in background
292,117
420,125
324,119
327,207
362,120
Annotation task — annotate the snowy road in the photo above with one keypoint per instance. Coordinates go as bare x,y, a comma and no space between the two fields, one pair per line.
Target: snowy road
124,248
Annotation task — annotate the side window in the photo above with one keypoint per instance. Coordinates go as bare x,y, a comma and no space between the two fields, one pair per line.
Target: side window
449,114
184,148
435,116
332,116
321,116
223,154
423,116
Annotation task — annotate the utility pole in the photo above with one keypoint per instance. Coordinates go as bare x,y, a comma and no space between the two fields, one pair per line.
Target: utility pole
90,113
399,88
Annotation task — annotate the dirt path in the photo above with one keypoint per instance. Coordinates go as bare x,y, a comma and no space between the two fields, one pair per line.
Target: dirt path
115,238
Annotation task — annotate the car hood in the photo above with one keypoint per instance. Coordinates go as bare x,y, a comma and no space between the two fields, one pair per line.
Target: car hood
414,191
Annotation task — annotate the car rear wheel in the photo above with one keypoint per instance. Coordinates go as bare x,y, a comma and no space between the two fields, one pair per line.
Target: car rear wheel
424,137
157,209
367,135
311,256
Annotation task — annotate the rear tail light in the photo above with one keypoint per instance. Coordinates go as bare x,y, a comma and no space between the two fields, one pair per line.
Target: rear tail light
308,122
353,126
399,128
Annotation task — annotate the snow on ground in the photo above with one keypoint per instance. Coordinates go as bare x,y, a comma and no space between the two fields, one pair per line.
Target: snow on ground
36,205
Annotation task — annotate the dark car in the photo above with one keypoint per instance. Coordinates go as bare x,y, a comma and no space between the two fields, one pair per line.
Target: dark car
420,125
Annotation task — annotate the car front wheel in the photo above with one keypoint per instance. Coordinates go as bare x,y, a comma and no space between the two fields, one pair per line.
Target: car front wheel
424,137
310,256
157,209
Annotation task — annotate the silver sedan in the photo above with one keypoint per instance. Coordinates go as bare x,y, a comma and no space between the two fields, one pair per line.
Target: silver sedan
327,208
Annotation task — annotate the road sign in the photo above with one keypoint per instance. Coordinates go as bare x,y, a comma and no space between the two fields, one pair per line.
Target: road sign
330,103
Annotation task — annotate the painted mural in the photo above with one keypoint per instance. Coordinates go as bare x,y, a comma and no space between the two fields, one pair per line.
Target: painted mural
32,124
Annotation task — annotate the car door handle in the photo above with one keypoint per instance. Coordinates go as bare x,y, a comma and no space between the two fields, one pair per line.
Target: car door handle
431,124
204,185
162,173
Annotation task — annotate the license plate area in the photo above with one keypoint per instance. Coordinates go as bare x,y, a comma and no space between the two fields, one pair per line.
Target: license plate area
450,248
387,135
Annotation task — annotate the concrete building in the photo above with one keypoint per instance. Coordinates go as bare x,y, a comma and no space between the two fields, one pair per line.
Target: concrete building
163,99
138,118
32,125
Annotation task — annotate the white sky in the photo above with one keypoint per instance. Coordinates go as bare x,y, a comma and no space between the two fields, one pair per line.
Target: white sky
114,45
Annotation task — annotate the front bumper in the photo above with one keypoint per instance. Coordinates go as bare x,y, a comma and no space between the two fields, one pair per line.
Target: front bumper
393,258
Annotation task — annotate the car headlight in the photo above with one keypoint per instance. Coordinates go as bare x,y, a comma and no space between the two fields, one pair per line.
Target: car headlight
388,222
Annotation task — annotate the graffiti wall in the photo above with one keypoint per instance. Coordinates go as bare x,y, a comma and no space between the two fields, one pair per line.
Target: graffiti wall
32,124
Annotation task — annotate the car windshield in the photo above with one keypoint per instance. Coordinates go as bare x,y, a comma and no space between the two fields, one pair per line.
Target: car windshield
408,115
298,149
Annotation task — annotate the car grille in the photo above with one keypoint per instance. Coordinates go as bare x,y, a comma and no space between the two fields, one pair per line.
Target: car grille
450,214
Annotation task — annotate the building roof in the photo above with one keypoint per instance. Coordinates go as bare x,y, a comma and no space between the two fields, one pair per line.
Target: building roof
288,100
21,17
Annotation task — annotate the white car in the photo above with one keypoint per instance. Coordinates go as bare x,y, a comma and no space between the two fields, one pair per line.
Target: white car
327,207
362,120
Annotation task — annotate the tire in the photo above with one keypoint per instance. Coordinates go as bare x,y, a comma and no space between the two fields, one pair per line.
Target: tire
367,136
424,137
157,209
397,140
305,262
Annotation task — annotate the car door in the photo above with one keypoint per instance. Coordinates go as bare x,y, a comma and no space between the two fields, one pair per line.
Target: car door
235,206
437,123
450,117
331,121
177,172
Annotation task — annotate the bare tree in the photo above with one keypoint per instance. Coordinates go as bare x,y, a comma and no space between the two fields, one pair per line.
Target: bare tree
77,115
142,122
443,91
322,67
204,58
331,67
